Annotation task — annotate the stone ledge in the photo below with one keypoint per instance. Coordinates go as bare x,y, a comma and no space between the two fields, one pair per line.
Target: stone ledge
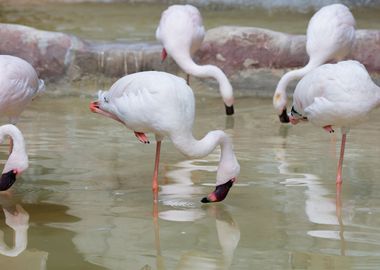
246,54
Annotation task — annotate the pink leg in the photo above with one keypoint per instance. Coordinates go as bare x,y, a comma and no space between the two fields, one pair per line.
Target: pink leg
329,129
155,174
142,137
339,173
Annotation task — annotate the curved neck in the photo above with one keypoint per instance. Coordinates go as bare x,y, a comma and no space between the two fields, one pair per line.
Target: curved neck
293,75
16,135
18,158
204,71
228,166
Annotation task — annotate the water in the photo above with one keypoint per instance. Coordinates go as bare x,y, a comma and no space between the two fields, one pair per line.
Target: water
85,202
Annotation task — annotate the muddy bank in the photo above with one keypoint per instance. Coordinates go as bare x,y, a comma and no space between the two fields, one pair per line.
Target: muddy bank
251,57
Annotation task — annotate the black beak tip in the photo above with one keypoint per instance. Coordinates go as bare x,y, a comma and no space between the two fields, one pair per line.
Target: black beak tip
205,200
229,109
284,118
7,180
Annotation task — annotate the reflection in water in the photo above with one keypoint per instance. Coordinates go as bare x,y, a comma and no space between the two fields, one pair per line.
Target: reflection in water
228,234
18,219
318,208
172,195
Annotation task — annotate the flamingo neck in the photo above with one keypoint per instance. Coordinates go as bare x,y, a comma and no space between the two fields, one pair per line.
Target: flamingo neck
228,167
18,157
204,71
280,96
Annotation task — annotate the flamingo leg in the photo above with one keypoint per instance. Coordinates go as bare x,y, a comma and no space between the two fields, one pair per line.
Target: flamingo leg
155,173
339,173
142,137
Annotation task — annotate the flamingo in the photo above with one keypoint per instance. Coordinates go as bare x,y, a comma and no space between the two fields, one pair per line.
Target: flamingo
330,36
19,84
17,161
181,32
163,104
339,95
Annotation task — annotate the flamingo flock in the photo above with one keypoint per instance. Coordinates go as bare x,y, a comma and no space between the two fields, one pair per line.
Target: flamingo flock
328,95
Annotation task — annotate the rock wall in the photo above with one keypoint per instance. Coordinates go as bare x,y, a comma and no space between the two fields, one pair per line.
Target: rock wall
251,57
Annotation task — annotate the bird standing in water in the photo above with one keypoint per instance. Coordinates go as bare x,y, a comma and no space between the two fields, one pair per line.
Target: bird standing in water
330,36
338,95
181,32
17,161
163,104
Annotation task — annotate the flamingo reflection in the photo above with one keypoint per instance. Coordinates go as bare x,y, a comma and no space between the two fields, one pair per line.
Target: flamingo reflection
182,187
18,219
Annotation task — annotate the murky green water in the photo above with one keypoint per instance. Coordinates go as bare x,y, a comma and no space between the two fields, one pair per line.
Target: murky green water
85,202
88,195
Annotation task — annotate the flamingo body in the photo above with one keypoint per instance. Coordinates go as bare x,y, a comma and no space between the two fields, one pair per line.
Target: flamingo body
340,95
19,84
330,36
163,104
181,32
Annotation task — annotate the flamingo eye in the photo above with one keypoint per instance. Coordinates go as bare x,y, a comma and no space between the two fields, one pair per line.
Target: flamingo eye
105,100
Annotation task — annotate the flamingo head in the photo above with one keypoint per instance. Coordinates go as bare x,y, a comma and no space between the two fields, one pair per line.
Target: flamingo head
100,106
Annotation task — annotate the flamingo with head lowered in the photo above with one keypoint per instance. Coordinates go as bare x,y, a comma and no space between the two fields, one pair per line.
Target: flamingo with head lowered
338,95
330,36
17,161
163,104
181,32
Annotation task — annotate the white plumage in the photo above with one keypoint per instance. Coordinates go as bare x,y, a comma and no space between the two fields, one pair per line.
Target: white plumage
163,104
19,84
330,36
181,32
336,95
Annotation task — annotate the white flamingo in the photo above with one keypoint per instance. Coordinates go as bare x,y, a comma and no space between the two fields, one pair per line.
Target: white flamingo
339,95
330,36
17,161
181,32
163,104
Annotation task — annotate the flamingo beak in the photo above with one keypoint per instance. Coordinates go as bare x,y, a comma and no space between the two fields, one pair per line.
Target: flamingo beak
164,54
7,180
220,192
229,109
94,106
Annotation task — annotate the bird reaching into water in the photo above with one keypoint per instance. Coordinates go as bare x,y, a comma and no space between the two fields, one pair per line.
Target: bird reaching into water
339,95
17,161
19,84
330,36
163,104
181,32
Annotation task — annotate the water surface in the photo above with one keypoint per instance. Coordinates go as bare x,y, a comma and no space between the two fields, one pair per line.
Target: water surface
88,194
85,202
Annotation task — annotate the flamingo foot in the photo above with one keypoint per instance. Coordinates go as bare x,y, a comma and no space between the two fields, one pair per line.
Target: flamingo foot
329,129
220,192
142,137
7,180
